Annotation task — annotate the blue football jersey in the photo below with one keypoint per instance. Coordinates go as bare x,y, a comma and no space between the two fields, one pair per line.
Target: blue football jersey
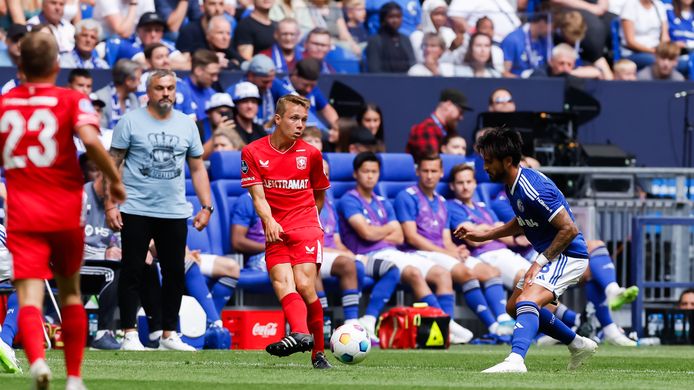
536,200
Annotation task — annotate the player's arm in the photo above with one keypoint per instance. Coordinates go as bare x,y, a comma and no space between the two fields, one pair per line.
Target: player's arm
273,230
471,227
395,237
201,184
367,231
510,228
319,196
243,244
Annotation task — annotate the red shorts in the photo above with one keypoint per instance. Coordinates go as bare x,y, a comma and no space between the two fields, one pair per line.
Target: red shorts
302,245
38,255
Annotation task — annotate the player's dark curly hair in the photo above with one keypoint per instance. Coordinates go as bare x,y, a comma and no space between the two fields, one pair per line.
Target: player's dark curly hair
499,143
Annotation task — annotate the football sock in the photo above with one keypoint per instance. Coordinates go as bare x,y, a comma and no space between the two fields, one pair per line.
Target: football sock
476,302
9,326
323,299
31,332
552,327
382,291
361,272
568,316
74,328
431,301
527,324
496,296
596,295
601,267
197,288
447,303
315,326
222,291
350,304
295,312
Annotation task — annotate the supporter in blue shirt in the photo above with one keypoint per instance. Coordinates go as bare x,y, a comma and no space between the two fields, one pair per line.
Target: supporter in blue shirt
10,55
84,55
681,24
204,73
260,71
526,47
411,15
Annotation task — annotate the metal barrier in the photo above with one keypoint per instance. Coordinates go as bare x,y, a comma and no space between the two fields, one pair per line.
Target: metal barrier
662,261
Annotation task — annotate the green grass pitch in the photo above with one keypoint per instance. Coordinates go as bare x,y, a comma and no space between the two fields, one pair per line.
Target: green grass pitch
611,368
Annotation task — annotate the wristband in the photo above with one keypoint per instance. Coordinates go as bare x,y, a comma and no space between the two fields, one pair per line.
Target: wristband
542,260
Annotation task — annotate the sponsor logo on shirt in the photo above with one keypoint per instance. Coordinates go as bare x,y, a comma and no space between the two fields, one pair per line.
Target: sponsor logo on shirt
251,178
542,202
301,162
264,164
294,184
520,206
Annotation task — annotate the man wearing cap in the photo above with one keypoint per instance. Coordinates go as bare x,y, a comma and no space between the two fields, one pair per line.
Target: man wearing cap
192,35
426,136
220,116
283,53
87,36
260,71
52,15
303,81
218,38
246,98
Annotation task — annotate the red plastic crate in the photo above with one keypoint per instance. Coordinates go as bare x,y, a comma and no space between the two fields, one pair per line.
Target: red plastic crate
253,329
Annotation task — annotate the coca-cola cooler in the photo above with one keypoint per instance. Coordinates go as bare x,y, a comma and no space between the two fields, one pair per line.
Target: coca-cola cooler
253,329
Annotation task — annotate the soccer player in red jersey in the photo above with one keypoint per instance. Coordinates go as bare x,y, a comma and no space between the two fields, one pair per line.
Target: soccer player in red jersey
285,178
44,186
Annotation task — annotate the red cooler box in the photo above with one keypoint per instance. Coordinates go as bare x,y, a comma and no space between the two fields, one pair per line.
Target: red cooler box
253,329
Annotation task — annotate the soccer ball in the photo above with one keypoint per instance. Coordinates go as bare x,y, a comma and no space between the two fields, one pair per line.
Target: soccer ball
350,343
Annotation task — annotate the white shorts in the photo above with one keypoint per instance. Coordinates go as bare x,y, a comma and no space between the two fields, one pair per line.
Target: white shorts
560,274
508,262
403,260
447,261
327,265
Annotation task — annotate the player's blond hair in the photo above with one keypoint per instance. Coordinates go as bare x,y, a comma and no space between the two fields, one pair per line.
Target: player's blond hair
291,99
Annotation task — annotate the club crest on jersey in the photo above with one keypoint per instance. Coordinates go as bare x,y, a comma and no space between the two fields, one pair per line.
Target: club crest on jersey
301,162
244,166
520,206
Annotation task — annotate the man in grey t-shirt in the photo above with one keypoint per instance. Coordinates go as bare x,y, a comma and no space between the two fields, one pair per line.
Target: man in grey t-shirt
664,67
152,144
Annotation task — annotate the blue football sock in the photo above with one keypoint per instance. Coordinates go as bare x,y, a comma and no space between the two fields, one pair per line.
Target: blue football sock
361,272
382,291
350,304
431,301
197,288
596,295
496,296
447,303
527,324
322,298
9,327
476,302
552,327
222,291
567,316
601,267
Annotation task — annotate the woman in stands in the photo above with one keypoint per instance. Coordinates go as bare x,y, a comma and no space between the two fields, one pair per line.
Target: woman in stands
371,118
434,20
681,24
478,59
644,27
433,47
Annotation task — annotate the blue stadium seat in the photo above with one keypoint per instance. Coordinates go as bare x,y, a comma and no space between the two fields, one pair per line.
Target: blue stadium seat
225,165
397,167
339,188
488,191
615,28
343,60
210,239
444,190
390,189
480,175
533,6
449,161
225,193
340,166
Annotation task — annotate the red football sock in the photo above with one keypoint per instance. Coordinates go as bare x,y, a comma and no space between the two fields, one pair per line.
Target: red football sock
315,325
74,329
294,310
31,332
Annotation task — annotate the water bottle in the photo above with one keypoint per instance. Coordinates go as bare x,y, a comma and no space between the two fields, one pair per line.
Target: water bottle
93,325
327,329
648,341
679,326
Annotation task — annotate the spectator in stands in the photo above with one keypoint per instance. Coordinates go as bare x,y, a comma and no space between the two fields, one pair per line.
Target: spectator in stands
666,55
466,12
260,71
434,20
501,100
106,135
119,16
478,59
355,13
283,52
52,16
371,117
644,27
80,80
344,128
304,81
220,118
455,144
327,15
119,95
686,301
486,26
411,17
526,48
389,51
313,136
361,140
246,101
426,136
175,12
204,73
571,28
433,47
20,11
87,36
224,141
256,32
192,35
625,70
218,38
157,57
563,64
283,9
317,45
14,34
681,24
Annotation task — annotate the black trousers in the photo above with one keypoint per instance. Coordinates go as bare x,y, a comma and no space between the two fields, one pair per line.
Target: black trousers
169,237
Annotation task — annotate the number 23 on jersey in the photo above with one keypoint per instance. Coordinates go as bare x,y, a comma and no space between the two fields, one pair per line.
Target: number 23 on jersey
41,125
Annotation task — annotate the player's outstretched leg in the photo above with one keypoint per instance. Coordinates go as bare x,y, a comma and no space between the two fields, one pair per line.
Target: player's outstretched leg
8,359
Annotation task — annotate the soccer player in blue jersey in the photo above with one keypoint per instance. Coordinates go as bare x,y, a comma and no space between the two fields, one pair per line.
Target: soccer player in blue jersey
544,216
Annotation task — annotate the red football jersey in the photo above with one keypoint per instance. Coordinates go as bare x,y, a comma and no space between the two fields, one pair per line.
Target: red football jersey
44,180
288,179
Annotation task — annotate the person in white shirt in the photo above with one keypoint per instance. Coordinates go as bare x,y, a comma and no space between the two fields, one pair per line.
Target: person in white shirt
52,16
478,59
433,46
644,27
119,17
434,20
499,11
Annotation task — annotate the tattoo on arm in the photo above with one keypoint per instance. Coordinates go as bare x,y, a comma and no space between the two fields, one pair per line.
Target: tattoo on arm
118,155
